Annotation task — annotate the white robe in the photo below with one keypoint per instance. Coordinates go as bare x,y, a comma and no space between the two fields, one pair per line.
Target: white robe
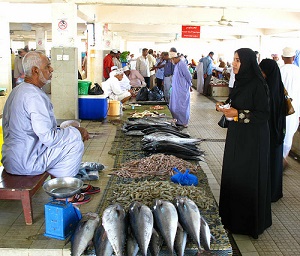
32,142
290,75
112,89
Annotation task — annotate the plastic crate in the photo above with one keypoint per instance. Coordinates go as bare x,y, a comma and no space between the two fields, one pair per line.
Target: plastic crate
83,87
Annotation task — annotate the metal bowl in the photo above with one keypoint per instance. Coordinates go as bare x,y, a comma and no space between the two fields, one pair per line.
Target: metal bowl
63,187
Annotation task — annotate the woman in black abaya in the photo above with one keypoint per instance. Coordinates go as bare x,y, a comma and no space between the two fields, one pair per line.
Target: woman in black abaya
271,72
245,202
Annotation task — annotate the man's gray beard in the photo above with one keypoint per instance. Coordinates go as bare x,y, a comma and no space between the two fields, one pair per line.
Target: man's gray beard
43,79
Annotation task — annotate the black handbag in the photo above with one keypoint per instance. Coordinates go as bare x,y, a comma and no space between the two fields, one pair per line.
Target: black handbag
223,122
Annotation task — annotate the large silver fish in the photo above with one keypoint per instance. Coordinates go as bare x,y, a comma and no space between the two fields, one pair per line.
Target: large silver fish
180,240
166,220
114,223
189,217
101,242
163,136
141,222
132,246
205,235
84,233
155,243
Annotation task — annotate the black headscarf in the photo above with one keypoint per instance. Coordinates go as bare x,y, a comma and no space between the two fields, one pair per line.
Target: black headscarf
249,69
277,100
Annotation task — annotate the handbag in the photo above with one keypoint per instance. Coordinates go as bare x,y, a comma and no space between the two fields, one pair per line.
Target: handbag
223,122
288,104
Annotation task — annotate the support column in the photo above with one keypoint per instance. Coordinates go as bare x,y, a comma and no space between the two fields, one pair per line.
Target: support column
40,39
5,58
64,60
96,55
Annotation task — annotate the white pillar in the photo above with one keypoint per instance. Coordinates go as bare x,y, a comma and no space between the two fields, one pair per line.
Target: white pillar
97,54
5,58
64,60
40,39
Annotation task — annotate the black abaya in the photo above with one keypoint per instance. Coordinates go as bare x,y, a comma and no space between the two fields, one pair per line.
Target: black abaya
276,125
245,204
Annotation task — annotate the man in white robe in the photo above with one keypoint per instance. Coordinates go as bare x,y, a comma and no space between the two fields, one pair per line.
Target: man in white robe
112,87
290,75
32,142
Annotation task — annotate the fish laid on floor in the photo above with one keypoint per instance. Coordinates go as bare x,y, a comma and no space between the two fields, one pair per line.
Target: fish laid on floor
168,129
156,243
101,243
114,223
132,246
166,221
166,146
180,240
164,136
84,233
205,235
141,222
189,217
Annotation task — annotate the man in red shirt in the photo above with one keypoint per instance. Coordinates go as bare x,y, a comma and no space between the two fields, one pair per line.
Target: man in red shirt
108,63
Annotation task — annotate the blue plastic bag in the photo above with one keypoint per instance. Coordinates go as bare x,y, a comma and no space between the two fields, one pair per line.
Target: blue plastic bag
184,179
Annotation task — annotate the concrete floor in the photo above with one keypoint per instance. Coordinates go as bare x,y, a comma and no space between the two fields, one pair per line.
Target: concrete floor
282,238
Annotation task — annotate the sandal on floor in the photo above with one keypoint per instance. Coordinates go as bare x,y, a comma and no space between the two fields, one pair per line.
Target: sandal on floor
88,189
78,199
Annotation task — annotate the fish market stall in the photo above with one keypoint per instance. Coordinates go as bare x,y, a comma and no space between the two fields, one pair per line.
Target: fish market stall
142,179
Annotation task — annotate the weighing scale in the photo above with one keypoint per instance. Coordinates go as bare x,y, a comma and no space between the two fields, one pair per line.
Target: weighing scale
61,217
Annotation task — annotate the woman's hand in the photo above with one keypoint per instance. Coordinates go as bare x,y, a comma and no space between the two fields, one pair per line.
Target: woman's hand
218,104
230,112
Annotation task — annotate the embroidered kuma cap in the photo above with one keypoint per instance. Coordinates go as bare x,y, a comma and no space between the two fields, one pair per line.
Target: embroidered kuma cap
288,52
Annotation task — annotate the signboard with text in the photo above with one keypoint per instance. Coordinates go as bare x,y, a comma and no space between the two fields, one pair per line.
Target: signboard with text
190,32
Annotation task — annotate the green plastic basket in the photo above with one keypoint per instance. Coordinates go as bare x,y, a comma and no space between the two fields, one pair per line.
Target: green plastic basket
83,87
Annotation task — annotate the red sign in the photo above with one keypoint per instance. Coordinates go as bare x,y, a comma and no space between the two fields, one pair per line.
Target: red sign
190,31
62,24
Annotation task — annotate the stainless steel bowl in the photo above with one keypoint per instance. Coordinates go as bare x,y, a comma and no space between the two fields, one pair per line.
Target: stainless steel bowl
63,187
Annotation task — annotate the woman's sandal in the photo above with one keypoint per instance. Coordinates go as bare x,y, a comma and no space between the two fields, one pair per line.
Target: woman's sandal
88,189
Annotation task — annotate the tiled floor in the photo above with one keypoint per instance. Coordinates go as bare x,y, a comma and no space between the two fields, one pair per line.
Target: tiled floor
283,238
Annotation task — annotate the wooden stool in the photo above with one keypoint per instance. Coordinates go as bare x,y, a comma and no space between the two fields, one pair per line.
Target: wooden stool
21,187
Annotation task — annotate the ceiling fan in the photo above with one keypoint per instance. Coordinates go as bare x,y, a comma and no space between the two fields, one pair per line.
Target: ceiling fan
221,22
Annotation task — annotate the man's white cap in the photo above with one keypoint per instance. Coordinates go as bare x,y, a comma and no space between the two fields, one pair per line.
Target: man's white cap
288,52
113,68
173,55
119,72
126,68
114,50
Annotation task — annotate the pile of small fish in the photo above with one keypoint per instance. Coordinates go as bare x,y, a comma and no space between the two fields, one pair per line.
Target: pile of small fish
148,228
154,165
147,191
147,113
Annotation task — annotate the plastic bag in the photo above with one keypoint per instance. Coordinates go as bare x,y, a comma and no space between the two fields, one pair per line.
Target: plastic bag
96,90
185,179
155,94
89,171
142,95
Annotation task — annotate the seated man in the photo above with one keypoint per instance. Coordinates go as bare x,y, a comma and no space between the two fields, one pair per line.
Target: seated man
32,143
135,77
112,87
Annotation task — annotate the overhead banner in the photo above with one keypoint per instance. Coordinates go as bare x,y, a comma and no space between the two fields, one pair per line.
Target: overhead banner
190,32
